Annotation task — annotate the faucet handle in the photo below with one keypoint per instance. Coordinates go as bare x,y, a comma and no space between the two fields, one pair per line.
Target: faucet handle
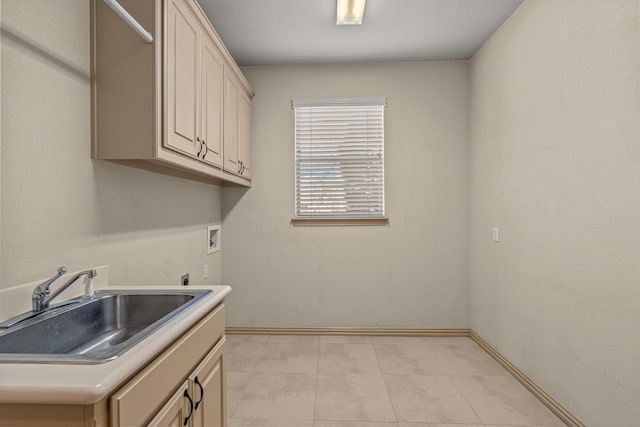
43,288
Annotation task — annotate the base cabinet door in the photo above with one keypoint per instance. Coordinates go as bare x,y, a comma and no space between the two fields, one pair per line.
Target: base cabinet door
177,411
208,390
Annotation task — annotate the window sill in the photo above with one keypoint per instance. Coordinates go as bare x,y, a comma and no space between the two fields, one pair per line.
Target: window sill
337,222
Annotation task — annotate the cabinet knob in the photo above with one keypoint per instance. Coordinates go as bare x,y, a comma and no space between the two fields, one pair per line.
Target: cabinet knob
186,394
199,146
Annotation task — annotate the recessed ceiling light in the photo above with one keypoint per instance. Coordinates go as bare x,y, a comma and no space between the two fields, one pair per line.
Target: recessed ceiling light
350,12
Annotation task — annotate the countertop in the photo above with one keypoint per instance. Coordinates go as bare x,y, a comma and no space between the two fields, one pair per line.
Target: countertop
88,384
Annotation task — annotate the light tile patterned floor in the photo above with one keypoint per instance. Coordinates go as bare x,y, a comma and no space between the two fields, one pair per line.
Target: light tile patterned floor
361,381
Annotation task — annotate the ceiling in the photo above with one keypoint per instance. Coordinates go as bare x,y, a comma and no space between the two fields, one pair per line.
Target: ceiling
261,32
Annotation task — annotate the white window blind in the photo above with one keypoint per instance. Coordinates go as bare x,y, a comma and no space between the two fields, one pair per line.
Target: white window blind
339,155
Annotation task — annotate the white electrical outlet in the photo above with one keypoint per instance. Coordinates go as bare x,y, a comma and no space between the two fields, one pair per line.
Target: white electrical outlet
206,271
496,234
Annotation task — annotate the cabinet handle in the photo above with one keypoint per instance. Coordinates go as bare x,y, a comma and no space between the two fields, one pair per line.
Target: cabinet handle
206,149
186,394
200,146
197,382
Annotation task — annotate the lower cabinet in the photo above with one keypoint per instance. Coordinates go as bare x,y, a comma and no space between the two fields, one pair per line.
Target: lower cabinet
199,401
184,384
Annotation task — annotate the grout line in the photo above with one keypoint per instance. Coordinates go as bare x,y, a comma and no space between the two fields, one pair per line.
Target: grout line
260,356
251,375
411,423
315,397
455,384
386,386
241,394
435,357
442,365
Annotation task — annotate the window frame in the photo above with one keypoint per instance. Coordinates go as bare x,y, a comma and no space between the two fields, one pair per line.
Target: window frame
336,220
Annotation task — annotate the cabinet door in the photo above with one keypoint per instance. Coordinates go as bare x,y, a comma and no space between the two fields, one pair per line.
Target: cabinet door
244,135
182,79
207,383
212,101
231,94
175,411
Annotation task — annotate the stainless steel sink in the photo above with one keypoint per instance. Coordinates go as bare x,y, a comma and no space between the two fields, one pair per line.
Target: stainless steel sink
96,330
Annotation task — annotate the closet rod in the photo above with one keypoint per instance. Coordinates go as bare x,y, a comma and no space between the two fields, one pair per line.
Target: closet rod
113,4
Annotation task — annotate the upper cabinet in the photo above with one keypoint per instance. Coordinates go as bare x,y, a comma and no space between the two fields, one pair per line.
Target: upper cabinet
181,101
237,128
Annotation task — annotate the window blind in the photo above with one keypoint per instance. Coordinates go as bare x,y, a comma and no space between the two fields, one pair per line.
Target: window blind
339,156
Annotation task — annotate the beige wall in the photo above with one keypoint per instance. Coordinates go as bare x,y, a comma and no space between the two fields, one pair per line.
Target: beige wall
412,273
59,207
555,163
554,107
0,148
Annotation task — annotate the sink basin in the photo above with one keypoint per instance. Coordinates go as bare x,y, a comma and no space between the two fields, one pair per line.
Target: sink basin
95,330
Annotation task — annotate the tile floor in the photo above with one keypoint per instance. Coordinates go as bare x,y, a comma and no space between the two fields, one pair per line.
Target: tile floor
361,381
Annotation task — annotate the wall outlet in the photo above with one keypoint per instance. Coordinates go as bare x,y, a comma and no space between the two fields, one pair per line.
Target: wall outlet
496,234
184,280
206,271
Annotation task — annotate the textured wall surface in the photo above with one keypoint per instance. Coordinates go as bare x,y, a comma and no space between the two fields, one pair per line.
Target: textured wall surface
411,273
555,155
60,207
539,136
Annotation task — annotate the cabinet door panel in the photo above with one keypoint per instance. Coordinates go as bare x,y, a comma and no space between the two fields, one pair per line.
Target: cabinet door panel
210,393
231,93
182,78
244,135
174,412
212,104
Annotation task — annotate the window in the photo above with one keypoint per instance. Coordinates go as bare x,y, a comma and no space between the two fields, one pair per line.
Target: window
339,156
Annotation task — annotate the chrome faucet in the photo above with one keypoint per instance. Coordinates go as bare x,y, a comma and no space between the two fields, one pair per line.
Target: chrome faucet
41,299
